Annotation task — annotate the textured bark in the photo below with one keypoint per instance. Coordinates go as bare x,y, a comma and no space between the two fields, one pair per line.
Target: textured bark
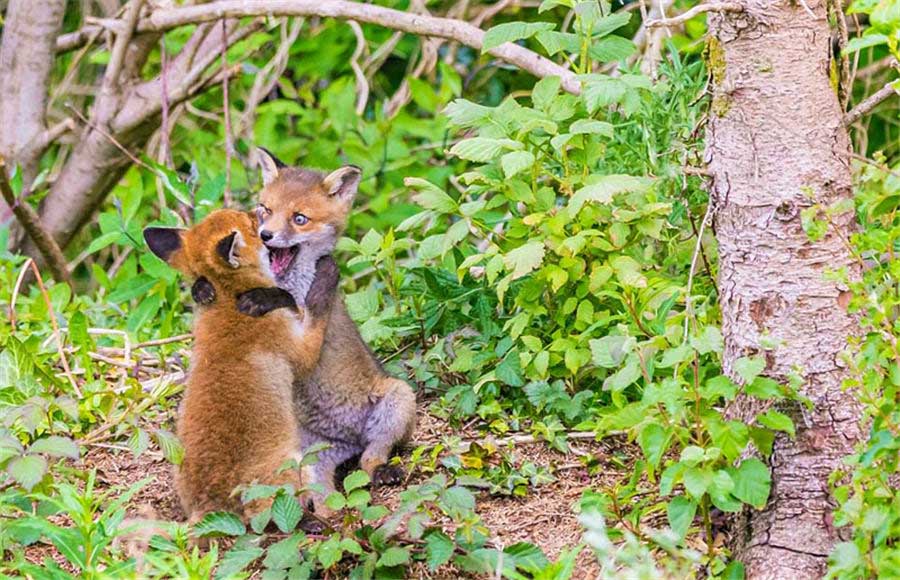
27,52
128,112
777,144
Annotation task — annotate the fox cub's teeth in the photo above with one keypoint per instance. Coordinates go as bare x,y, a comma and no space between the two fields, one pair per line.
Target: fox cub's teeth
280,259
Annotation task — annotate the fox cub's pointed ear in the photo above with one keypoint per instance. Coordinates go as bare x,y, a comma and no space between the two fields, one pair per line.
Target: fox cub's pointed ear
163,242
269,165
342,183
228,248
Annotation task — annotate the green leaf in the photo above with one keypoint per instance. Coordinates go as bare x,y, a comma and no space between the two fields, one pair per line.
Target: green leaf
284,554
610,23
624,376
777,421
611,49
55,446
709,341
748,368
237,559
610,351
763,388
170,446
752,482
393,556
27,470
286,512
511,32
483,149
438,549
697,481
628,271
463,113
515,162
654,440
355,480
591,127
858,43
430,196
604,188
524,259
215,524
544,92
681,512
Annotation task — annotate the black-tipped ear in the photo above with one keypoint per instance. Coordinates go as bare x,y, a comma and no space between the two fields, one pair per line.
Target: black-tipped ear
343,183
163,242
269,165
228,246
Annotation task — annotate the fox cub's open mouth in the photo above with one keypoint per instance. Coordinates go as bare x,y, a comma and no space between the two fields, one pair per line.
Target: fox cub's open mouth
280,258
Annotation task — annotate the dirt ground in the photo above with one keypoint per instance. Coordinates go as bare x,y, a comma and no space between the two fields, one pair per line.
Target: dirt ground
545,516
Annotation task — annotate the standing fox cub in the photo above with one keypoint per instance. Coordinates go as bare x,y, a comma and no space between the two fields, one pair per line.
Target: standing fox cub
348,402
236,422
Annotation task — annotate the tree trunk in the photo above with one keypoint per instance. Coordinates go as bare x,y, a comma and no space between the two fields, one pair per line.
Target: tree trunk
27,54
776,144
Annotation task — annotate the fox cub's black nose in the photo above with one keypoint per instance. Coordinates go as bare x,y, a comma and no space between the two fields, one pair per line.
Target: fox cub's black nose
266,235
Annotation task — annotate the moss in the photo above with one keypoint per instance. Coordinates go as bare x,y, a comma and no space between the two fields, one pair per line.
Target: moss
720,105
715,60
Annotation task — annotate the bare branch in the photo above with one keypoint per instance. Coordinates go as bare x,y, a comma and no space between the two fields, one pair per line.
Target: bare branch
165,19
362,85
867,105
31,223
699,9
120,47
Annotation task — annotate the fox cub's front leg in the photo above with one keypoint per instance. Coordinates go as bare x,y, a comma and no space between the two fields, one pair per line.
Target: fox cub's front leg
261,301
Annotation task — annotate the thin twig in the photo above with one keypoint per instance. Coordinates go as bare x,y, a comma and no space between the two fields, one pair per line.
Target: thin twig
870,103
226,105
165,150
31,223
362,85
15,293
111,139
698,9
59,343
688,304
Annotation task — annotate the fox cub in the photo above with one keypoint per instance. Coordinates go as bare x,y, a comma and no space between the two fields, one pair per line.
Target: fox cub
348,401
236,422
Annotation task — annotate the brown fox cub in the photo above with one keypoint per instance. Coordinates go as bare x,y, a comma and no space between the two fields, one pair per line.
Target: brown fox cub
236,422
348,401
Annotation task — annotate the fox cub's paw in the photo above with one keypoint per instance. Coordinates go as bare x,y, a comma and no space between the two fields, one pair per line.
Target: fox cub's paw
203,292
386,474
321,293
260,301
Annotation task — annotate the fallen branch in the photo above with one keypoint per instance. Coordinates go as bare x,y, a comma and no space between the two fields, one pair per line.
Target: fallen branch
699,9
31,223
165,19
867,105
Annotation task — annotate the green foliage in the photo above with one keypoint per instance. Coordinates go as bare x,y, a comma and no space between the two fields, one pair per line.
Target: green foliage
869,498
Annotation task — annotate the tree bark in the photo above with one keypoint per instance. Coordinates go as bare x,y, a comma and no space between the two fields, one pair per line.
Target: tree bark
777,144
27,52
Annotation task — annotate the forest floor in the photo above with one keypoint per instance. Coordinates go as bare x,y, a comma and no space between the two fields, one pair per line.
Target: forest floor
546,516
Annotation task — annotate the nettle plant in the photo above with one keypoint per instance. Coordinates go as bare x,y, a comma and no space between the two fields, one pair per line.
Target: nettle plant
869,503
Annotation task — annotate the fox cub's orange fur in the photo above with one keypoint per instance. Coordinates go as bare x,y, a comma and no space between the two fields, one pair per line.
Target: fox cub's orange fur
236,421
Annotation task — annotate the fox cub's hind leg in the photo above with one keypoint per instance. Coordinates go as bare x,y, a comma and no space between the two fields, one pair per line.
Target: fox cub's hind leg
390,423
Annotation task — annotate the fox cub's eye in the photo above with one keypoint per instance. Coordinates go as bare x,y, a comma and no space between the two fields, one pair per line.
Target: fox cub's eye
300,219
263,210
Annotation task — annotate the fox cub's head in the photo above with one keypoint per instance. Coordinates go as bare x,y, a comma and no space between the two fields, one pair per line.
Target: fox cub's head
223,247
304,209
